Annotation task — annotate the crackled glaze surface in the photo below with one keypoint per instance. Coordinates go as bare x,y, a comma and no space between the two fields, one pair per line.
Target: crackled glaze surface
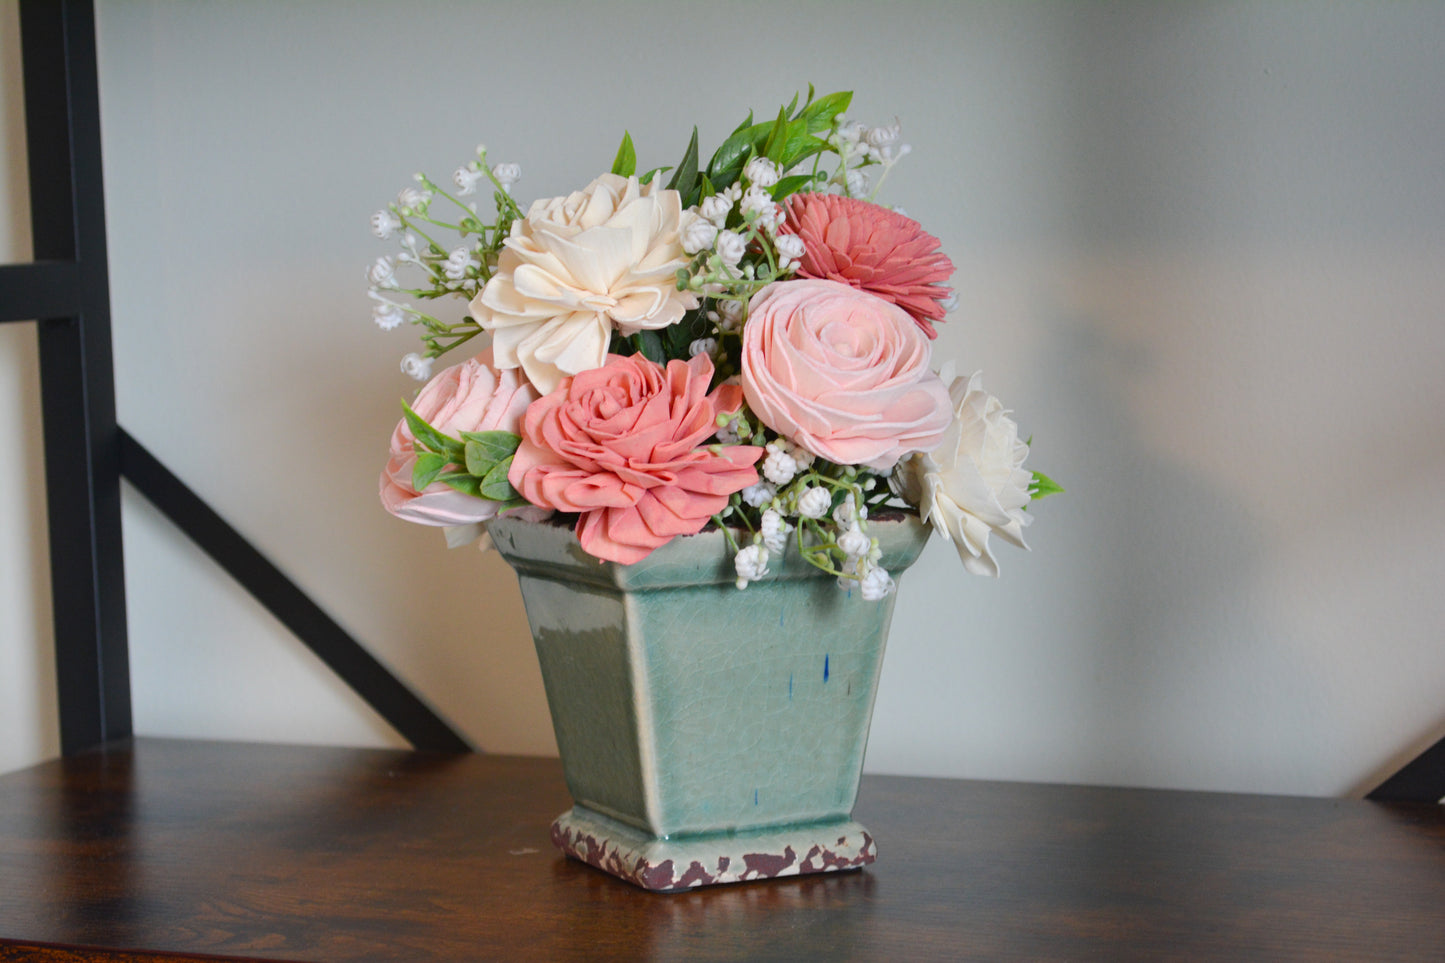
683,707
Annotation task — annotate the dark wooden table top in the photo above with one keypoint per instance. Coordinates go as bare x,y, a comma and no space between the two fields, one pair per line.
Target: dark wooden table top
160,849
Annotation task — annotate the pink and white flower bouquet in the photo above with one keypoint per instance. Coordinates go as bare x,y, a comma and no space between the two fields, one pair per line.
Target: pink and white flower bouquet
747,345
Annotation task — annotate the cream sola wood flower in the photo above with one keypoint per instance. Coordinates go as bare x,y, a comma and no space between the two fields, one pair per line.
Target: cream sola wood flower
578,267
974,483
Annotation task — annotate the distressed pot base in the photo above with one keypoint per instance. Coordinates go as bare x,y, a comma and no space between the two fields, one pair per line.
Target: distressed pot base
673,865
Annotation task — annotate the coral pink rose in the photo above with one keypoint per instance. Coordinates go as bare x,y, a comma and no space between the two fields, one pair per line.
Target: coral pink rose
874,250
471,396
841,372
619,444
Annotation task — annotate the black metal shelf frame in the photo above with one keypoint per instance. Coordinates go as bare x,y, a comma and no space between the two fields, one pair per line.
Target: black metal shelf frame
87,453
66,290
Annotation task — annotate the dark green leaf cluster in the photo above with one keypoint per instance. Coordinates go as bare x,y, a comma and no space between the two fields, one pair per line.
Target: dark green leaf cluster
475,464
788,140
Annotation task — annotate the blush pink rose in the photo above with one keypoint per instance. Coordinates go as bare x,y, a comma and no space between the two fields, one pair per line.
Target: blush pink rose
619,445
843,373
873,249
471,396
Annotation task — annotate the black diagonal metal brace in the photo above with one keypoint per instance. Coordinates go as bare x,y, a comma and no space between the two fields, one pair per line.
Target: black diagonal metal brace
371,680
1420,780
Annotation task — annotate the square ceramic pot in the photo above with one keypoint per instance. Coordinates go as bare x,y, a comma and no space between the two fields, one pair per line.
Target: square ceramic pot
708,734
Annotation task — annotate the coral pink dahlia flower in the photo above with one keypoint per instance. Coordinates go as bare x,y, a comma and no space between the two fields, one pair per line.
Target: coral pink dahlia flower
622,446
873,249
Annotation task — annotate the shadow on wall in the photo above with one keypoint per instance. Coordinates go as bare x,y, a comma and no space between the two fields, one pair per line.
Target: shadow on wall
1185,678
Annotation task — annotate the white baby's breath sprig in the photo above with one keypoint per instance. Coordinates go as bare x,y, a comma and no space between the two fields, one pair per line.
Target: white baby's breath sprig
415,366
699,236
790,251
751,564
778,465
388,315
814,502
460,263
761,172
774,529
505,175
384,224
759,494
467,178
382,273
716,209
731,246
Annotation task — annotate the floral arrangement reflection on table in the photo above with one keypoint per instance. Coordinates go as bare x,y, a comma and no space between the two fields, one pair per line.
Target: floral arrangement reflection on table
693,387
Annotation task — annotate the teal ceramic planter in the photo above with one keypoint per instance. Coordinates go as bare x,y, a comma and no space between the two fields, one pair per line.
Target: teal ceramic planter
708,735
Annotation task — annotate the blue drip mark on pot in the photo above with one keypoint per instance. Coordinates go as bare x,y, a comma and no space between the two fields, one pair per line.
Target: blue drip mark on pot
755,797
825,668
790,686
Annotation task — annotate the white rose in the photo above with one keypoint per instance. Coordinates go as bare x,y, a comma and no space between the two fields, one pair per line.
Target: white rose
578,266
974,483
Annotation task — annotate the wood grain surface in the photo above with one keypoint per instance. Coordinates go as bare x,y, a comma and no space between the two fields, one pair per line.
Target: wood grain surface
166,850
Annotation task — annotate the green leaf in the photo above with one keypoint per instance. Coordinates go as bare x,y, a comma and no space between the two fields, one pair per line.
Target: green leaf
466,484
777,137
431,439
512,503
679,337
495,485
821,113
791,185
744,125
684,179
428,466
649,345
625,164
1043,485
801,147
647,178
727,164
486,448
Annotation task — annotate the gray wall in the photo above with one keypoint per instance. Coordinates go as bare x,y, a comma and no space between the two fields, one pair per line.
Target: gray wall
1198,252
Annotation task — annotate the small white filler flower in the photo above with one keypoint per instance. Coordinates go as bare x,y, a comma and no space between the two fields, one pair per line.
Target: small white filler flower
774,529
698,236
751,564
415,366
731,246
814,502
507,175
